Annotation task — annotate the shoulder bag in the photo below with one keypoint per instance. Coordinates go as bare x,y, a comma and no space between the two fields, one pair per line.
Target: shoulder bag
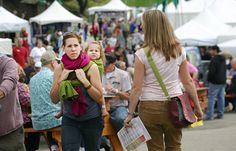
180,110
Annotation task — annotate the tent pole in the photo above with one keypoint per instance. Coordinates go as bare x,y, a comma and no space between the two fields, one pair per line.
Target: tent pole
40,31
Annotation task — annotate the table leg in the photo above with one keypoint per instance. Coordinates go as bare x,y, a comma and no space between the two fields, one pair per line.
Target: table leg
115,142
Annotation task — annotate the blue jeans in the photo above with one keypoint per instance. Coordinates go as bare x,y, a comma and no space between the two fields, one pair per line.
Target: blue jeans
216,90
117,116
73,132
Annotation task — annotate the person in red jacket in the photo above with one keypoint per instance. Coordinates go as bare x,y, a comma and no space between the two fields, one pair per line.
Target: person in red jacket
20,53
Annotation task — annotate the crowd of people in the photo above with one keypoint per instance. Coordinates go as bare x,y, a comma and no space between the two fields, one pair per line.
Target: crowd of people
64,85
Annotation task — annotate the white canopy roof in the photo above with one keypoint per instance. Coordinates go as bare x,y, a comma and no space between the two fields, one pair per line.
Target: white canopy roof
10,22
231,34
204,28
193,6
193,33
224,10
185,11
55,14
112,6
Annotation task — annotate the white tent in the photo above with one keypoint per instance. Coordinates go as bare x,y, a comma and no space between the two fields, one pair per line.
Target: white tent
224,11
55,14
203,28
194,34
6,46
229,46
112,6
10,22
185,11
231,34
184,7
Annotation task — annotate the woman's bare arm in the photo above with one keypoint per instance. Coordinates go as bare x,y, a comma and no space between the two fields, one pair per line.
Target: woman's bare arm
55,85
188,84
139,70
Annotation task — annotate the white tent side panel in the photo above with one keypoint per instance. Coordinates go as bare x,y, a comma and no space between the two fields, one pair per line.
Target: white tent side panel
229,46
6,46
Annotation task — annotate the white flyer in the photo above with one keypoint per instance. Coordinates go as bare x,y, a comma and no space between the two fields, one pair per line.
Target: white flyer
131,138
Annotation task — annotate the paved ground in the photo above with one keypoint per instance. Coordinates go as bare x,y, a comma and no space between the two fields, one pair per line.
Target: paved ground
215,135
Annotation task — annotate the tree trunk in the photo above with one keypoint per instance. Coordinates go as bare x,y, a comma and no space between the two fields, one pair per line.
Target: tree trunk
82,5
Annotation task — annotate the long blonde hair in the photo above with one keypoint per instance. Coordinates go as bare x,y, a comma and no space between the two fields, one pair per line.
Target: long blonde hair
159,34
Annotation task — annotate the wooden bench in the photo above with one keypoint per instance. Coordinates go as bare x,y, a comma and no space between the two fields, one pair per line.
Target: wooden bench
111,134
229,96
56,134
230,99
203,97
108,131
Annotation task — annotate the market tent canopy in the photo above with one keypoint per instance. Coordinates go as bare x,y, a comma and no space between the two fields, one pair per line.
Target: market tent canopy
112,6
194,34
56,14
205,27
185,7
224,11
10,22
185,11
231,34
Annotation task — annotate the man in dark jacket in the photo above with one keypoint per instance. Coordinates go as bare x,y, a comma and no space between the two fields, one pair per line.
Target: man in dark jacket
217,81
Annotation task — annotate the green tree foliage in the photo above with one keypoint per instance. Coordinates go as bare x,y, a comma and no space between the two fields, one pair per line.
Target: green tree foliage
92,3
82,5
79,7
72,6
141,3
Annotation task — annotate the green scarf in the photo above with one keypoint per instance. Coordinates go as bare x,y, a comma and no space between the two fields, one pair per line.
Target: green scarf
100,65
66,89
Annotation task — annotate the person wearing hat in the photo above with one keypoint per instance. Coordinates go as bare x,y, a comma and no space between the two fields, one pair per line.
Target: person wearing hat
37,66
217,83
11,127
43,110
117,82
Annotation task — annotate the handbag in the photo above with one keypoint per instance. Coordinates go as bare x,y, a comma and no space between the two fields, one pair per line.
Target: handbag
180,110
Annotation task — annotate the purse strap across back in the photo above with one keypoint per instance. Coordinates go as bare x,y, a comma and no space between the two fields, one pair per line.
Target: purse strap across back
156,73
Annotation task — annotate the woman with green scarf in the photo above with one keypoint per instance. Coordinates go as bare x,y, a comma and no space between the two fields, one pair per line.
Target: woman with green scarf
77,75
